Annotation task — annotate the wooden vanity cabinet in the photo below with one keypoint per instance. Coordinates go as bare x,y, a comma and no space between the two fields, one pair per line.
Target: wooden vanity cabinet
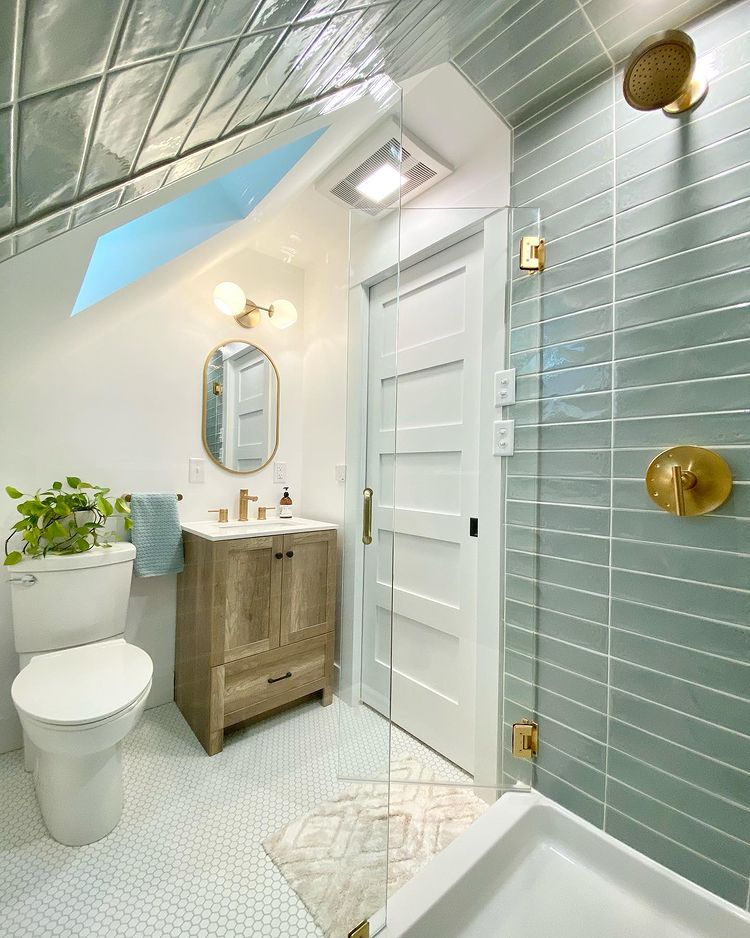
255,627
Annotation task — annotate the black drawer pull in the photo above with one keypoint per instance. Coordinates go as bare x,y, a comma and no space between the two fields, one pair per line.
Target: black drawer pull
290,553
273,680
278,556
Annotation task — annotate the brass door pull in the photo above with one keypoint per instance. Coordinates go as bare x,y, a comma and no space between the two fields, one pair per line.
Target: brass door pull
367,516
689,480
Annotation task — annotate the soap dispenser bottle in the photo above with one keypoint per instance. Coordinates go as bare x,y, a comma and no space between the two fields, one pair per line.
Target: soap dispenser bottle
285,505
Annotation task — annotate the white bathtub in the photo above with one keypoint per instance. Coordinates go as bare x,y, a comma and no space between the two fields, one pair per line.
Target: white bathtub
530,869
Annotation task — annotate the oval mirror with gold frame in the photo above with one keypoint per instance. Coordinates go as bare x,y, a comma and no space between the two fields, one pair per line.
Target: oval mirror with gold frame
241,392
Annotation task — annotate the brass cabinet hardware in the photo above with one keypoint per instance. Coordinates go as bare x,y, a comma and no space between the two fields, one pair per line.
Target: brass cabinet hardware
223,514
525,740
533,254
275,680
367,516
360,931
689,480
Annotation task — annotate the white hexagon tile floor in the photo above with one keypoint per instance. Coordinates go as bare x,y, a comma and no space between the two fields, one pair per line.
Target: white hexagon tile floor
187,858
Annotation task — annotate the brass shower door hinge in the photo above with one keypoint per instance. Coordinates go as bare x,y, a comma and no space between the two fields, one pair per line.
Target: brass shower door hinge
525,740
532,254
360,931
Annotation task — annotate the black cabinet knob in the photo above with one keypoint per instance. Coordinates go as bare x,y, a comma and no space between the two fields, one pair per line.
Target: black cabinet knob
290,553
278,556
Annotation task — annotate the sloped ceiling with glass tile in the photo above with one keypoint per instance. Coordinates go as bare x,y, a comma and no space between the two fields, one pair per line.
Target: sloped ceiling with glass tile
103,102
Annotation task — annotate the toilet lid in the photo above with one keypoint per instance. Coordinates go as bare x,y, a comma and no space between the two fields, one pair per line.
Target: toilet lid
84,684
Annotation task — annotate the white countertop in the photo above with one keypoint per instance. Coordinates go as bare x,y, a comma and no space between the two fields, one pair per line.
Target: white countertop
231,530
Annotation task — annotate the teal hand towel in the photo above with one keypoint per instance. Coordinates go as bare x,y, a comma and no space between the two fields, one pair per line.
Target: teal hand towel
156,533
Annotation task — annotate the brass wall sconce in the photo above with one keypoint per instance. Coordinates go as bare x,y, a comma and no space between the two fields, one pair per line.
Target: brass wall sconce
230,299
689,480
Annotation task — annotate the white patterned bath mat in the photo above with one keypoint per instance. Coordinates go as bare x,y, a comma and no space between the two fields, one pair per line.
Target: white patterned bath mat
334,857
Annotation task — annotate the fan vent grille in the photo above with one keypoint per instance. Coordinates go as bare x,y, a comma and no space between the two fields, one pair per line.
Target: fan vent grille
416,172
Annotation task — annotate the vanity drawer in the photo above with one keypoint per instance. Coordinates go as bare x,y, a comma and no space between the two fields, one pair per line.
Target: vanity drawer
273,678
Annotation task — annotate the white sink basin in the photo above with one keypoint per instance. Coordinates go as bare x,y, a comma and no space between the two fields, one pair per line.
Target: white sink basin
228,530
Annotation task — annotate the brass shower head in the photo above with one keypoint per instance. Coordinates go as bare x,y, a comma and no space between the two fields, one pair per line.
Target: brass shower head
661,74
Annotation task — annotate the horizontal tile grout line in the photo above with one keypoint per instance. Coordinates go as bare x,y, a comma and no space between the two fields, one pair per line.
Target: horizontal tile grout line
551,319
534,658
562,159
553,638
657,576
664,384
537,685
532,202
674,320
568,128
682,713
689,615
678,843
680,349
682,254
586,794
567,615
530,527
521,277
739,518
563,726
535,120
649,203
627,39
549,745
571,589
547,294
518,51
672,807
638,177
684,781
534,553
497,35
676,677
535,709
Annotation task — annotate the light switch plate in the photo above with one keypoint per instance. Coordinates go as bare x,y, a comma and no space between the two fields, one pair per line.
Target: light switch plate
340,473
196,469
279,473
505,387
503,438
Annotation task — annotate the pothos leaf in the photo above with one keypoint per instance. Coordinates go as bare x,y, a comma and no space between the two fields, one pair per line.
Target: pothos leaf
15,556
13,493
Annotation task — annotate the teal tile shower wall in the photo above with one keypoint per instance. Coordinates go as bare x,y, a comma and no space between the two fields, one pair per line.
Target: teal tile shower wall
627,629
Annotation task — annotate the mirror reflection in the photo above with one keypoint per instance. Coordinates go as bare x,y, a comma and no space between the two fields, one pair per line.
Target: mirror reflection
240,406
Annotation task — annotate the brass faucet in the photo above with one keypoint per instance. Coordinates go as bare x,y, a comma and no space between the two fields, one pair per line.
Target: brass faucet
262,509
245,500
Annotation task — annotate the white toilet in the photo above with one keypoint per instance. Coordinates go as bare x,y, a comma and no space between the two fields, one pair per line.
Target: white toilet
81,688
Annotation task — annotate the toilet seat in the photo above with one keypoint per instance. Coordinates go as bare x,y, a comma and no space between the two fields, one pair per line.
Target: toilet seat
83,685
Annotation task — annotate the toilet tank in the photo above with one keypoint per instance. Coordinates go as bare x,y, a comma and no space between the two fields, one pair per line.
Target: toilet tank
61,601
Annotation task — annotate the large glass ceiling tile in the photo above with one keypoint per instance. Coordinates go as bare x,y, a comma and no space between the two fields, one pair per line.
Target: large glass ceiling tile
129,99
184,167
6,248
52,135
320,8
246,62
357,36
144,185
334,33
187,88
153,27
220,19
65,40
42,231
96,207
6,216
221,151
7,27
278,13
283,63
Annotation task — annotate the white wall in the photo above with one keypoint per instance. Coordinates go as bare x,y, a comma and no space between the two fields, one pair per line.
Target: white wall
114,395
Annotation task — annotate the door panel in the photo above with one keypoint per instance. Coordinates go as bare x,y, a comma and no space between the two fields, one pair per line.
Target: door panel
309,585
248,584
248,418
425,493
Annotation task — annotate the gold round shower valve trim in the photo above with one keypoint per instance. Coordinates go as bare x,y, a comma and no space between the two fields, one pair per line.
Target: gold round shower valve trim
689,480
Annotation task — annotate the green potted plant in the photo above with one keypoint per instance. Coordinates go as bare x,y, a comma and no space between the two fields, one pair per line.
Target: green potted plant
62,520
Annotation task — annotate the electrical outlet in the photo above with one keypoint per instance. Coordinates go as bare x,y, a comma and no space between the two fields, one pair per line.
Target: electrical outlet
505,387
279,473
503,438
196,469
340,473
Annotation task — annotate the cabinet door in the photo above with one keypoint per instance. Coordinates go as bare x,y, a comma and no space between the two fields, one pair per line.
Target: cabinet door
308,591
247,588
